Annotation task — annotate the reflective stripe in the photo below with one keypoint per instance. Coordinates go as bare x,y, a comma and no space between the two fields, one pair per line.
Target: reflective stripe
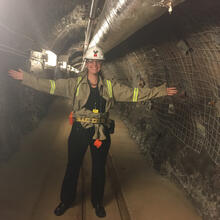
78,85
52,87
109,84
135,96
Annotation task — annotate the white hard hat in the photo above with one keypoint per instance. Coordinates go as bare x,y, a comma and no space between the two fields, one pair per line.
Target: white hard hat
94,53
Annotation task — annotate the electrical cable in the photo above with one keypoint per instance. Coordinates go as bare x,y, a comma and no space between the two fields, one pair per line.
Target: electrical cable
77,64
13,49
12,52
7,49
15,32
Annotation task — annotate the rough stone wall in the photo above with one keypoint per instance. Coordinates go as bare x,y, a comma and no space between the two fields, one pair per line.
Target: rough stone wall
179,136
20,109
30,25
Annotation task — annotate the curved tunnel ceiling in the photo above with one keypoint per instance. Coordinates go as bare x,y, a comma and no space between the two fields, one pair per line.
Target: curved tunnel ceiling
122,18
117,21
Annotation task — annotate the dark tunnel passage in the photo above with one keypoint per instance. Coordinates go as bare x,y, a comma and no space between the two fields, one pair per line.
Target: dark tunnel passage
178,136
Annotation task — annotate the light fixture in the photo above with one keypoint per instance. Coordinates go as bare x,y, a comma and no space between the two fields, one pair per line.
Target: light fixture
51,60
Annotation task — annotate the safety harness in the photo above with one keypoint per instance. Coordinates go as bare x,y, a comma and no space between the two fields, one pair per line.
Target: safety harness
76,93
89,119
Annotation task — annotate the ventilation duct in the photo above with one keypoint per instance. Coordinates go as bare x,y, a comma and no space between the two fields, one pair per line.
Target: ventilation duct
121,18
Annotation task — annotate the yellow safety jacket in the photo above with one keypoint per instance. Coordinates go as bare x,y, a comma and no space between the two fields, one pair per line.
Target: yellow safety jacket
110,90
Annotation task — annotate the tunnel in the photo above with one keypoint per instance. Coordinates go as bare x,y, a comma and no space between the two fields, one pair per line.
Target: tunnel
163,163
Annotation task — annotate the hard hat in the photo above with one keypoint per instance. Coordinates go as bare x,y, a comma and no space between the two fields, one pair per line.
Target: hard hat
94,53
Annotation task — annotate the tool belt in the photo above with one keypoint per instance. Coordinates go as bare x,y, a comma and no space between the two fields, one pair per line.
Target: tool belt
91,120
104,120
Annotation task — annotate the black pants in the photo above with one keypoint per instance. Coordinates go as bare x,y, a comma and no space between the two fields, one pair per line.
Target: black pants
78,142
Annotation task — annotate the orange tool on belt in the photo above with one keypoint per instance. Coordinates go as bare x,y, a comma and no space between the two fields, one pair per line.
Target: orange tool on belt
71,119
97,143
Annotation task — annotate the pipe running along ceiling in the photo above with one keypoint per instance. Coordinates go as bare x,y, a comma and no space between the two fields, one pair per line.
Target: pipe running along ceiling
121,18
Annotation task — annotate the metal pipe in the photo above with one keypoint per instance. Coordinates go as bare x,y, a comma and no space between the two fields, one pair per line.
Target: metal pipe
90,27
121,18
90,23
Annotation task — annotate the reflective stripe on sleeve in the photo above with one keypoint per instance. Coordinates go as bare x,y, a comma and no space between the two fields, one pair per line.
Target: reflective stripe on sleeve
109,84
78,85
52,87
135,95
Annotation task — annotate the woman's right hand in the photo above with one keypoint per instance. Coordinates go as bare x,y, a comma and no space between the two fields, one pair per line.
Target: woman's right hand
18,75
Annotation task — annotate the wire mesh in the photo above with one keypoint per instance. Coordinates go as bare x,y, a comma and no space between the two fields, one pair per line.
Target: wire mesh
196,120
182,50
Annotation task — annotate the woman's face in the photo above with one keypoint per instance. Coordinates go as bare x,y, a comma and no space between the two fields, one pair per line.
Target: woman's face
93,66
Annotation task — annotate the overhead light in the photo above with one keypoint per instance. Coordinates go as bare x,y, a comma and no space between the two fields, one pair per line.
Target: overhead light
62,64
36,61
40,60
72,69
51,60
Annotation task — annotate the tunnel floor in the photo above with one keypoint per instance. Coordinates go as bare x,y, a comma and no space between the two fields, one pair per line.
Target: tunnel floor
31,180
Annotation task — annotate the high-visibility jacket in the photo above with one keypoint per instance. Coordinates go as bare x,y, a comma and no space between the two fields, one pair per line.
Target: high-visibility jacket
110,90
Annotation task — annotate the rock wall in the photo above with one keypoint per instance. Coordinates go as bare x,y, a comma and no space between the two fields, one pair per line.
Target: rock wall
179,136
20,108
30,25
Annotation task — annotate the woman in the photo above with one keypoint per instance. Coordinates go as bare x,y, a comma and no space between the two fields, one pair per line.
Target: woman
92,96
